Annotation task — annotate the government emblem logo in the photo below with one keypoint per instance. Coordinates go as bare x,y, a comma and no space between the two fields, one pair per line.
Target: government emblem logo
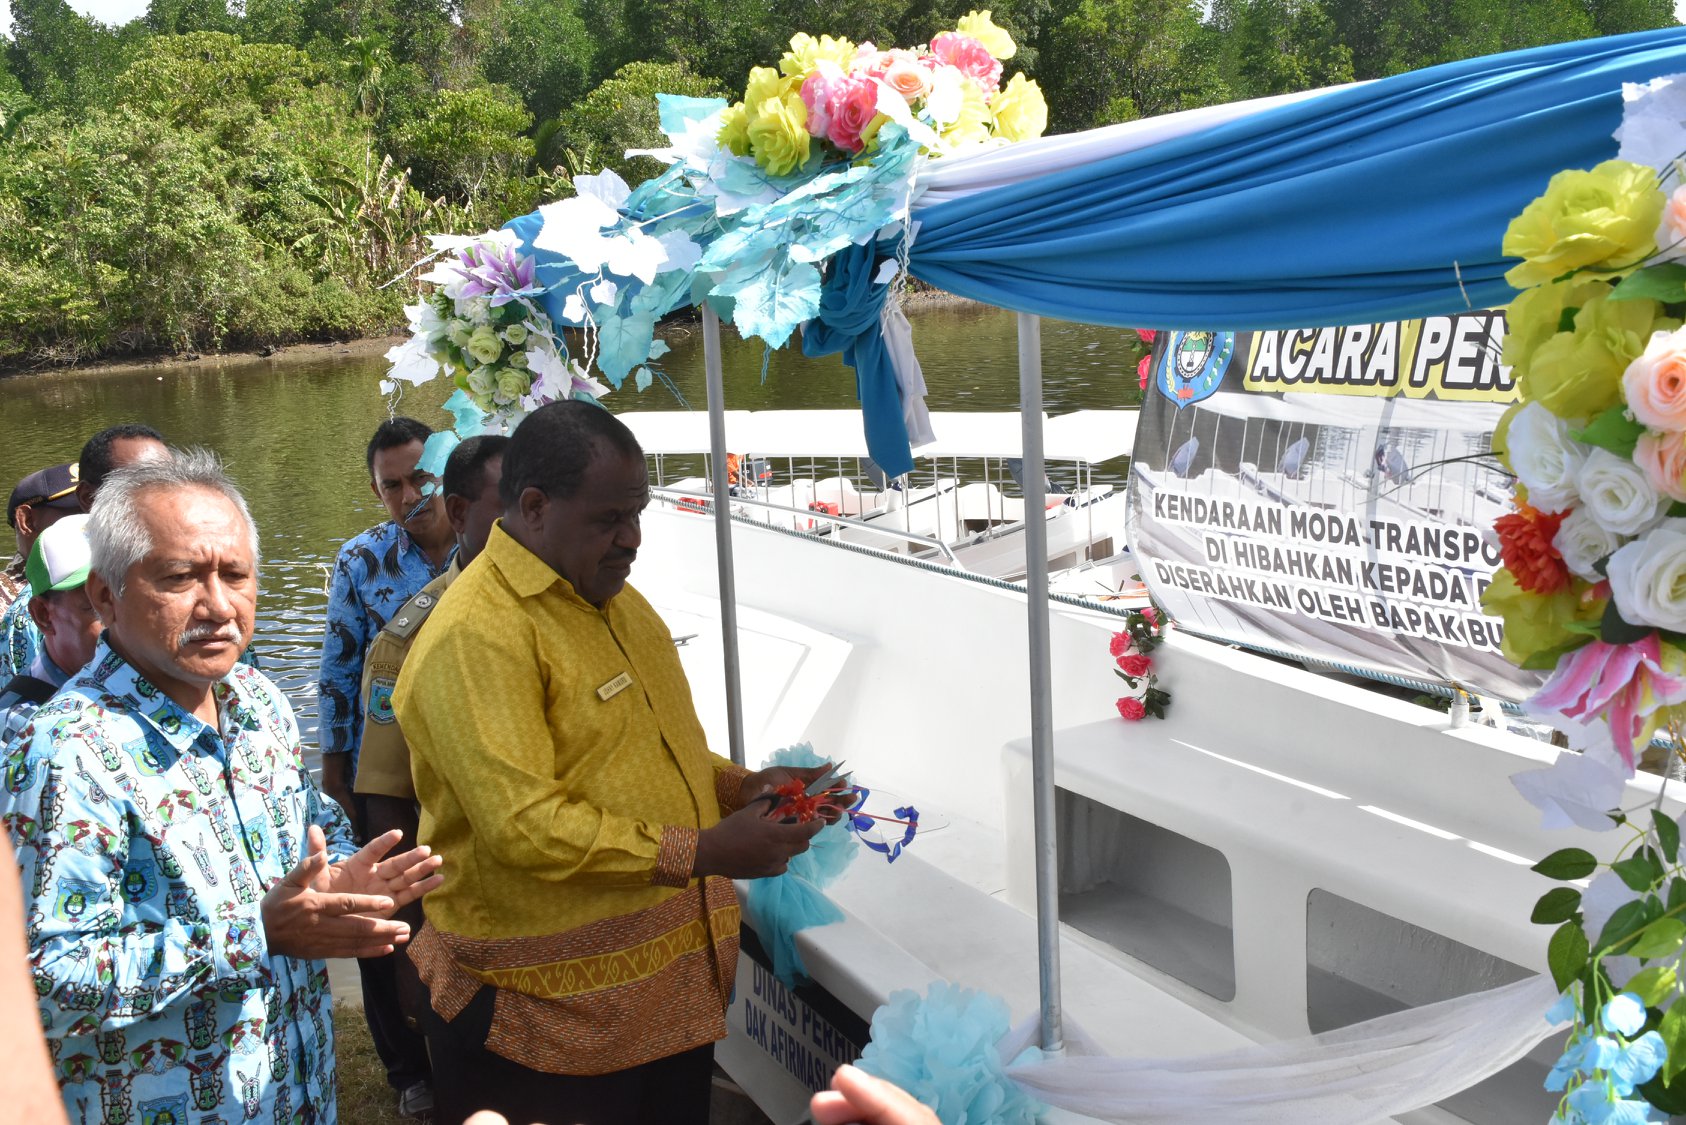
1193,365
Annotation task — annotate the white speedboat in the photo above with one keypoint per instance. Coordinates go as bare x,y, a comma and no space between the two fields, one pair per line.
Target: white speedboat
1286,853
808,471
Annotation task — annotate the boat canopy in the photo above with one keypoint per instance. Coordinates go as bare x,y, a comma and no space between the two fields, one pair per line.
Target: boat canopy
1379,201
1089,436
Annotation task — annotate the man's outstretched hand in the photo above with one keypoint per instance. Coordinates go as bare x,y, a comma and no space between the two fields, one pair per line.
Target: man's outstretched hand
323,909
403,878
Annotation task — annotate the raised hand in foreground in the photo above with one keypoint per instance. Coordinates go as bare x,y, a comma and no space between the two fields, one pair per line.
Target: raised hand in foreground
857,1098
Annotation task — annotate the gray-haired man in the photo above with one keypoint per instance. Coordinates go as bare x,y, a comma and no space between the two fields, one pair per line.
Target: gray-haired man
176,855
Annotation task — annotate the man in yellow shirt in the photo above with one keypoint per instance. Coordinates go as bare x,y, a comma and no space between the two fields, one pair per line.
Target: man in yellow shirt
580,955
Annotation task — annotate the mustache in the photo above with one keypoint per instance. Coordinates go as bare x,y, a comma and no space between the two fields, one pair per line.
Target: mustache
210,632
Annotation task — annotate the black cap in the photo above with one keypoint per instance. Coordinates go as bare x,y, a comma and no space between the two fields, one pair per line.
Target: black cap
53,487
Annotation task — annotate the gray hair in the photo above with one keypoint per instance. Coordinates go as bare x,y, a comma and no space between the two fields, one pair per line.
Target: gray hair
118,537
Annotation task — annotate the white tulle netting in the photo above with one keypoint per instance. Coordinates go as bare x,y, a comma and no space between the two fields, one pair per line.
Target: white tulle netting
1366,1072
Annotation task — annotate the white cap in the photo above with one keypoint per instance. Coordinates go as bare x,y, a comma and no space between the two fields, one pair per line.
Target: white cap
61,556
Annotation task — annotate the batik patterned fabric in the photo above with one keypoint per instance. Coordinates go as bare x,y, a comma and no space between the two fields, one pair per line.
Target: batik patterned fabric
147,839
15,710
20,640
375,573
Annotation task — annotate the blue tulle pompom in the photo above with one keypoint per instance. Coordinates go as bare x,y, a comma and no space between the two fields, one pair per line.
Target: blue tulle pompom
941,1048
778,909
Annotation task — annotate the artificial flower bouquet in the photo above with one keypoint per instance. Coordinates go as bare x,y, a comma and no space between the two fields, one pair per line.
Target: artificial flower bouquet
1142,632
1593,589
484,326
828,98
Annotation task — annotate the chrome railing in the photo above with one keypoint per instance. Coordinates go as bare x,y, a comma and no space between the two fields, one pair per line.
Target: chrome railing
676,496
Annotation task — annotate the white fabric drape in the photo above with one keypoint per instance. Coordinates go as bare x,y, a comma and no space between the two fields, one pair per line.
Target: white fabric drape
962,174
1369,1071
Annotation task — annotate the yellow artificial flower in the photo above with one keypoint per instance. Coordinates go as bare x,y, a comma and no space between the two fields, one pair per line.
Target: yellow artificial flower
764,85
1020,112
972,125
1578,374
1537,623
979,26
734,130
779,134
1537,315
806,52
1602,220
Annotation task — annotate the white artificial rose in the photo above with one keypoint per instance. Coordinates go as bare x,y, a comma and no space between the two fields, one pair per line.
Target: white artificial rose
1582,541
482,380
1545,458
1618,494
1648,578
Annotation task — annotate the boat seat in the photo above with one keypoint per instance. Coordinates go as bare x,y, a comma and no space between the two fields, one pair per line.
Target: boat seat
1283,836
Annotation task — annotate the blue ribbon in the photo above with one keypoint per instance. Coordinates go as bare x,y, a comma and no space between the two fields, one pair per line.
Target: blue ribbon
850,306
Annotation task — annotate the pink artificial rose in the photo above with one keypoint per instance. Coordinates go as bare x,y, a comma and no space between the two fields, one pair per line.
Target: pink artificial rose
1147,335
907,78
1663,457
1655,383
1152,615
1673,231
1130,709
1121,644
970,58
1144,369
819,93
1135,664
852,109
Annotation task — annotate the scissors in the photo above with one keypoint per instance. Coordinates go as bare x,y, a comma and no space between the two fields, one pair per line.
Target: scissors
833,779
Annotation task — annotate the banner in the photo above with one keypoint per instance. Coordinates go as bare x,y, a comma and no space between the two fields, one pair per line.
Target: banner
1331,492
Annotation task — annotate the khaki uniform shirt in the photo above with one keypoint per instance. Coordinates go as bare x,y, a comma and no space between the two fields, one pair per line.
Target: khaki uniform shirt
383,767
564,777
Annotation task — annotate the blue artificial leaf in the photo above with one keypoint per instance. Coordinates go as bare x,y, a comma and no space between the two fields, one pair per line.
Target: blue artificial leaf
643,378
774,302
468,419
677,111
658,349
623,342
436,451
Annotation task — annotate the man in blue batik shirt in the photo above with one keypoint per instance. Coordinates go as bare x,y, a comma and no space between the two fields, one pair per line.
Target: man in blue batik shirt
374,574
39,500
178,886
58,574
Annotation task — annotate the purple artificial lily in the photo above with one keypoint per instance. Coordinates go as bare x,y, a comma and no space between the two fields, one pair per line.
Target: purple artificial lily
500,272
1626,684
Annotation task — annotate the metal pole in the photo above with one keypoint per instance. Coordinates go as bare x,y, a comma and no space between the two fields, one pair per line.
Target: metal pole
1041,683
712,368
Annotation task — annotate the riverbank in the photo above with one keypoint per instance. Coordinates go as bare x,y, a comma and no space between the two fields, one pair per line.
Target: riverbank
919,298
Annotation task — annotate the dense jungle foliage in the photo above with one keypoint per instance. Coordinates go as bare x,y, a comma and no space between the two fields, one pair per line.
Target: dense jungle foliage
232,175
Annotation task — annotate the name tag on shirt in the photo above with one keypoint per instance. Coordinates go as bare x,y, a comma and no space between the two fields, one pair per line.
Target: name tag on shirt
614,687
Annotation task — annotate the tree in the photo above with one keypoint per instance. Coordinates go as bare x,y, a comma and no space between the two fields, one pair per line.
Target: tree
1104,61
622,113
469,142
1278,46
179,17
61,59
1616,17
541,49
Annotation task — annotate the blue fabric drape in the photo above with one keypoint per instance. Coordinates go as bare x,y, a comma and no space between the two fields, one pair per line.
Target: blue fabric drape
1347,208
850,305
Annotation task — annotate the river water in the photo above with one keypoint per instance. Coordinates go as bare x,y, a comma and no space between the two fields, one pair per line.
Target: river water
293,433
